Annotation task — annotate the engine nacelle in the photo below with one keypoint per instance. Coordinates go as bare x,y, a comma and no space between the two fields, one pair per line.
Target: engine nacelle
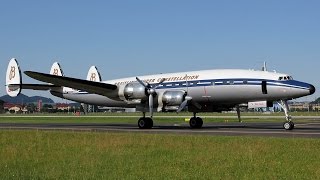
134,90
173,98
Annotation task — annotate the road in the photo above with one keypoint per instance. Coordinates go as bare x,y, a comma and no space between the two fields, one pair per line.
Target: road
270,129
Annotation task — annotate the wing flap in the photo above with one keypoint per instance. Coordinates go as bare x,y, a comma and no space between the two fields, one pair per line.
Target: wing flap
88,86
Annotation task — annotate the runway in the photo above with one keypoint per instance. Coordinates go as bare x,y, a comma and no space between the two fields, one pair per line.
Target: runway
270,129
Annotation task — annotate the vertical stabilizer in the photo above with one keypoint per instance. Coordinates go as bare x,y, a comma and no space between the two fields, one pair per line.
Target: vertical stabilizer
56,69
264,68
13,78
93,74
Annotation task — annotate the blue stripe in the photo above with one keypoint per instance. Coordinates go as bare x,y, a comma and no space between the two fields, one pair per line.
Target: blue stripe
222,82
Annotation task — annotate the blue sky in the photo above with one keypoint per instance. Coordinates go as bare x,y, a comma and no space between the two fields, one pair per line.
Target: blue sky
129,38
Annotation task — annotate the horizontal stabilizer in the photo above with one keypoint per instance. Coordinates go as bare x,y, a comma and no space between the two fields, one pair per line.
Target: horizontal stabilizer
42,87
85,85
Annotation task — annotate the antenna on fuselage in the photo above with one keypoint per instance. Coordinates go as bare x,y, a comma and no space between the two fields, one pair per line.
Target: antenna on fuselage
264,68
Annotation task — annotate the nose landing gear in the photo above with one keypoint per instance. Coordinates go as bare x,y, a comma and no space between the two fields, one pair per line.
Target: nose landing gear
288,125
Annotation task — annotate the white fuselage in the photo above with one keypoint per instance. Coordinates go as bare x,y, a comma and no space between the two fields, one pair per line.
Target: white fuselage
229,86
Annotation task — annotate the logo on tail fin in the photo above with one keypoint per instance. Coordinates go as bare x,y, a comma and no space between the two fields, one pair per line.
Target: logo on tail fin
56,72
93,77
12,73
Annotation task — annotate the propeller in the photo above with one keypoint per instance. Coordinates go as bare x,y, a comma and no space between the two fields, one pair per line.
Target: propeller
151,92
188,99
184,103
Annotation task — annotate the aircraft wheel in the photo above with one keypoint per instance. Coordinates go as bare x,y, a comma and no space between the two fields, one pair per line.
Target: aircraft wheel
150,123
195,122
200,122
288,125
145,123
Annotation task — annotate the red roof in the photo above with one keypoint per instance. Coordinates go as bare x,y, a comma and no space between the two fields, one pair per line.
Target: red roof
10,105
62,105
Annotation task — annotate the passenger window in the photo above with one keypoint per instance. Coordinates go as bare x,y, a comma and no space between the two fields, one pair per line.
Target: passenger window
245,82
231,82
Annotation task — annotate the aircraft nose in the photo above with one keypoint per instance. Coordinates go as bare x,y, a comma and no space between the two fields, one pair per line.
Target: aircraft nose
312,89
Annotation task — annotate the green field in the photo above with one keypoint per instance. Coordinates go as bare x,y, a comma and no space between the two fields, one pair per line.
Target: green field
92,155
36,154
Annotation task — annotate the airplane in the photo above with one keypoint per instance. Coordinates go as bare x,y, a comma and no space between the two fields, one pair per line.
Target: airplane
200,91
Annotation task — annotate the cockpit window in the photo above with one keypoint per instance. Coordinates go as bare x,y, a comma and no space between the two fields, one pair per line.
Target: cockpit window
285,78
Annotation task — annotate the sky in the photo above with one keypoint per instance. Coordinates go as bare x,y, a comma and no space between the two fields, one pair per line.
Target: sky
131,38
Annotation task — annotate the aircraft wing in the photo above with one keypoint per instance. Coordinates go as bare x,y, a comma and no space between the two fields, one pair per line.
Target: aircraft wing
88,86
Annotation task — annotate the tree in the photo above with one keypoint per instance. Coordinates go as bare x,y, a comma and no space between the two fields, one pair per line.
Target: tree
31,108
317,101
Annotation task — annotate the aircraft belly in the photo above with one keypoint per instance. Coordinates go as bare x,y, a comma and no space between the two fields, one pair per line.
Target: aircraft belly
95,99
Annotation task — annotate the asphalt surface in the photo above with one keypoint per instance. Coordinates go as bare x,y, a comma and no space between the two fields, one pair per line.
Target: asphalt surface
270,129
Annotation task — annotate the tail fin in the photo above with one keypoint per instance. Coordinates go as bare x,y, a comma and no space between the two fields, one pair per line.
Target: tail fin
93,74
13,78
56,69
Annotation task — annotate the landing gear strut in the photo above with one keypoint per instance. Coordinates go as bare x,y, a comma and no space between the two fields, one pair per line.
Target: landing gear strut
195,122
145,122
288,125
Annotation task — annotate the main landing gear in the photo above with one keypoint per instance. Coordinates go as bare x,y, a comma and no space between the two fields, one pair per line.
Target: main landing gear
288,125
195,122
145,122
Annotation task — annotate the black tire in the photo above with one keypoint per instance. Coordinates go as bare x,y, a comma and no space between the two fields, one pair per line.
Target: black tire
195,122
288,125
142,123
149,123
292,125
145,123
199,122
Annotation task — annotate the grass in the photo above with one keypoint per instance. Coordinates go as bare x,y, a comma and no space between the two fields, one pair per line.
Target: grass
92,155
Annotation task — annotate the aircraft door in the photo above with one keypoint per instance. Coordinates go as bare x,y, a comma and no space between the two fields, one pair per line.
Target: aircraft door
264,87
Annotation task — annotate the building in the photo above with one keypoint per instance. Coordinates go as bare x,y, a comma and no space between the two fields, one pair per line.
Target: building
13,108
63,107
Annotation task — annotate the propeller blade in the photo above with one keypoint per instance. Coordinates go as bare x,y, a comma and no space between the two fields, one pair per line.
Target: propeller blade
151,105
162,80
182,105
141,82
